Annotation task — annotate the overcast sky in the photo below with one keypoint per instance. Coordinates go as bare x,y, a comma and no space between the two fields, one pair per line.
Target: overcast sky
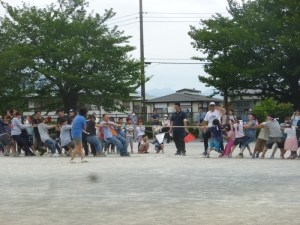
162,40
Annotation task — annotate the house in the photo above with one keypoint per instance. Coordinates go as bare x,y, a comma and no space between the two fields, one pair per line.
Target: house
190,100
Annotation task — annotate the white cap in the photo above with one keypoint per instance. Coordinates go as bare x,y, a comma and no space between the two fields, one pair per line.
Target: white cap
165,115
212,103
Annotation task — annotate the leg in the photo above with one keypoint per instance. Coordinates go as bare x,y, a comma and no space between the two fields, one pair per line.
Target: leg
206,137
52,143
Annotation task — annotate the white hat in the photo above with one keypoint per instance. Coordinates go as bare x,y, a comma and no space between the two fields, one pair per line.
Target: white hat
212,103
165,115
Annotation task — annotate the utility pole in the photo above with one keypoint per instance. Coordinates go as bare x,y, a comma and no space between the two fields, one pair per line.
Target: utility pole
143,92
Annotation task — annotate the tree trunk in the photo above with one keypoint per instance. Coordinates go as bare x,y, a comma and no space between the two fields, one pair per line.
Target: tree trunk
225,99
295,92
70,100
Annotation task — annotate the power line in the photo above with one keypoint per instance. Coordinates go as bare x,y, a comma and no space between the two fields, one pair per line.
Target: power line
173,17
183,13
122,21
122,17
170,21
127,24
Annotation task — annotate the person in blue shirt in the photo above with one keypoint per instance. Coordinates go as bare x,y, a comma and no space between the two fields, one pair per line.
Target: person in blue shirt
79,125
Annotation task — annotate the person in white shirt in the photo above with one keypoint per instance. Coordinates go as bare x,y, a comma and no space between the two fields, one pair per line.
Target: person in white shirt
65,137
140,129
129,133
213,113
166,127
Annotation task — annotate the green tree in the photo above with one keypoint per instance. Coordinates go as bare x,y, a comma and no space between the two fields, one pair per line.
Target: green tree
63,51
264,49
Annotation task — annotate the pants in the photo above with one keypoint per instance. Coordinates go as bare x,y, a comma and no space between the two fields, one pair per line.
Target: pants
86,147
93,140
38,144
207,136
178,137
121,144
22,142
54,145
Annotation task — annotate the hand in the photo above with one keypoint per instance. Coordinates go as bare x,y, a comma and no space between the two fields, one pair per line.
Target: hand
186,130
170,131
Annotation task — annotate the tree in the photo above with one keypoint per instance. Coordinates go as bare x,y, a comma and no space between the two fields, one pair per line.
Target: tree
62,51
264,49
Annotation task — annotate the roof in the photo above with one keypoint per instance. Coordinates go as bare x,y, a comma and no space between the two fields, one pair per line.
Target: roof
178,97
190,90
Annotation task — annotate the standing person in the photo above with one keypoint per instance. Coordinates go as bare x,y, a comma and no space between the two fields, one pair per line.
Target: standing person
72,114
16,131
110,138
166,127
275,135
134,120
5,140
230,137
140,130
129,134
232,117
284,135
291,142
295,119
261,141
37,142
213,113
179,119
245,116
200,118
155,121
65,136
79,124
43,130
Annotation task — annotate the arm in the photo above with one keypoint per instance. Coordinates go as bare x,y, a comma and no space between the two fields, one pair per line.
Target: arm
20,125
222,110
260,126
171,124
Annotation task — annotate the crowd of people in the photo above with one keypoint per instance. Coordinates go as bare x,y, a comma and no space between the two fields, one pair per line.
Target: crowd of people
76,132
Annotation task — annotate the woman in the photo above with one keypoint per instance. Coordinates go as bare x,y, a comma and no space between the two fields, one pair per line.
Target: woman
79,125
16,132
166,127
232,117
46,139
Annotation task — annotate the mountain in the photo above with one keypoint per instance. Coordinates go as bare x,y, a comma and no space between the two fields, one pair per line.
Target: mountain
158,92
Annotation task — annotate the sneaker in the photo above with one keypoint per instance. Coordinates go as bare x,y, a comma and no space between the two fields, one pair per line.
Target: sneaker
257,155
207,156
262,157
281,157
72,161
184,154
101,154
294,156
250,154
15,155
83,160
230,156
272,157
55,155
6,153
253,156
177,153
125,155
46,153
239,156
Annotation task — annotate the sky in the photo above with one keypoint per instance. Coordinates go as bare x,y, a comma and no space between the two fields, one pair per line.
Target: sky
163,41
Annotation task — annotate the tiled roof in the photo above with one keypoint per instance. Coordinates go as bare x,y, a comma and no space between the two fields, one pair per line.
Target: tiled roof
178,97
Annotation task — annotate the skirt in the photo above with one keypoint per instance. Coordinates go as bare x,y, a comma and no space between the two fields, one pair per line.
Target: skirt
291,144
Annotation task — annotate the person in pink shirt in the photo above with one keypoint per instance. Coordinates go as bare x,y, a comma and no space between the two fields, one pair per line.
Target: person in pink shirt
230,137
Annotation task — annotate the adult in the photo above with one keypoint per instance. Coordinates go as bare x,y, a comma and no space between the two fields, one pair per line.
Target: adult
213,113
275,135
43,130
92,138
245,116
134,120
166,127
5,140
116,140
200,118
37,142
232,117
155,121
79,124
179,119
72,114
16,132
60,114
295,119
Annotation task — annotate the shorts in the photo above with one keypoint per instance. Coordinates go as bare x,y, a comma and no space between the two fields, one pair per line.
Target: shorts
215,144
129,140
238,141
247,140
71,144
77,141
6,140
273,140
260,144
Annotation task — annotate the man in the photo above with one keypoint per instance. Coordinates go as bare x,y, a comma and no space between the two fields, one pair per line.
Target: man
60,114
116,140
213,113
37,142
275,135
5,139
179,119
200,118
155,121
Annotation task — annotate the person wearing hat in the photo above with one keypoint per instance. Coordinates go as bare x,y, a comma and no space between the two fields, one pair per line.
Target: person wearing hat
213,113
72,114
166,123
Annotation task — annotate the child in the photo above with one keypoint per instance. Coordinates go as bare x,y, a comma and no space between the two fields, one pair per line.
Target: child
291,142
239,134
129,133
65,136
230,137
144,146
216,136
158,146
140,129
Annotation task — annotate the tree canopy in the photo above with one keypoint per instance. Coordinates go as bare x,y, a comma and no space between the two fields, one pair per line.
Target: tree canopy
256,51
65,52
